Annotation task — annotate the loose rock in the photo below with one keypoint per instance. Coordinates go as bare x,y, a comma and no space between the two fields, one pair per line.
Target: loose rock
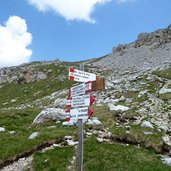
33,136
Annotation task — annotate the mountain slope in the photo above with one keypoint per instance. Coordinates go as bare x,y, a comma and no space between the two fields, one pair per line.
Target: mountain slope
134,109
151,51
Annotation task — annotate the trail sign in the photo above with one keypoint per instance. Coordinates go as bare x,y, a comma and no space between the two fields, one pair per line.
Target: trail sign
68,117
81,76
80,89
78,101
79,113
98,84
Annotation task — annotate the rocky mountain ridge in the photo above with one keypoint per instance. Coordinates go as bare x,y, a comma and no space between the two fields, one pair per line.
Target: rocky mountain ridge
25,73
151,51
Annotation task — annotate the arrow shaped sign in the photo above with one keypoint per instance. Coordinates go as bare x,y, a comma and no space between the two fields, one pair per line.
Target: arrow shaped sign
80,89
81,76
78,101
79,113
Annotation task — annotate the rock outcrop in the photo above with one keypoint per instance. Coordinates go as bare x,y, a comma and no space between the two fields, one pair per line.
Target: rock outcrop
25,73
151,51
49,114
157,38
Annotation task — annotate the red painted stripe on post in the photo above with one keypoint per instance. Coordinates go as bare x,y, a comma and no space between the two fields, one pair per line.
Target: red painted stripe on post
97,77
69,98
71,78
71,69
87,82
68,106
67,119
88,91
67,111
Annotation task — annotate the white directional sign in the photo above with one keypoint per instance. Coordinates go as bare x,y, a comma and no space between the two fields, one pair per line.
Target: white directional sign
79,101
69,117
79,113
80,89
81,76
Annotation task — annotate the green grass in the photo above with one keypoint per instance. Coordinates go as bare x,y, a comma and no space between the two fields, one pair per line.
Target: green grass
136,135
53,160
18,143
97,156
119,157
164,73
165,96
105,116
100,157
130,94
27,93
20,121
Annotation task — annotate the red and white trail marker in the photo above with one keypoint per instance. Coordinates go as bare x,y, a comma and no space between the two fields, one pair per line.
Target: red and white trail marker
68,117
80,89
79,113
81,76
79,101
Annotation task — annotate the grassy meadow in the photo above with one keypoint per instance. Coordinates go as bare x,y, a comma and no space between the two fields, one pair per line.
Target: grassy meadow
112,156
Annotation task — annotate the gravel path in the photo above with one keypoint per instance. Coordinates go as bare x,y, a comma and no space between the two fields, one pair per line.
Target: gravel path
21,165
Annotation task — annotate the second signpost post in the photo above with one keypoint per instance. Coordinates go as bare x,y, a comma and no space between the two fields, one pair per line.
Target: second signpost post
81,102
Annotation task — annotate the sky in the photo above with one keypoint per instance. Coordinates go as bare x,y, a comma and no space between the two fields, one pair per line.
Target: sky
74,30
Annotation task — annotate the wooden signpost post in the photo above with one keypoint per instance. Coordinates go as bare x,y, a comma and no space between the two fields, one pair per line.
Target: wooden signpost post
79,101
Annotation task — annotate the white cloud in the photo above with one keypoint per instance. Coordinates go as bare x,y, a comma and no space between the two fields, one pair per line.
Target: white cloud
123,1
14,40
69,9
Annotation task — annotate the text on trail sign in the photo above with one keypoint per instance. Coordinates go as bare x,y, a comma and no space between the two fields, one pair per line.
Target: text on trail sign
78,101
79,113
81,76
80,89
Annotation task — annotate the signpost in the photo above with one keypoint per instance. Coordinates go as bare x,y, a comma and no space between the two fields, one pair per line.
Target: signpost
78,101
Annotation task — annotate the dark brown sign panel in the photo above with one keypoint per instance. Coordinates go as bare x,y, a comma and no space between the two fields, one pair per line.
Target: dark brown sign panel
98,84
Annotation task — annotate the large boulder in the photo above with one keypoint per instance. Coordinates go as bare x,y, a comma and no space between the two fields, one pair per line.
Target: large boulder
93,121
40,76
146,124
49,114
166,88
118,107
